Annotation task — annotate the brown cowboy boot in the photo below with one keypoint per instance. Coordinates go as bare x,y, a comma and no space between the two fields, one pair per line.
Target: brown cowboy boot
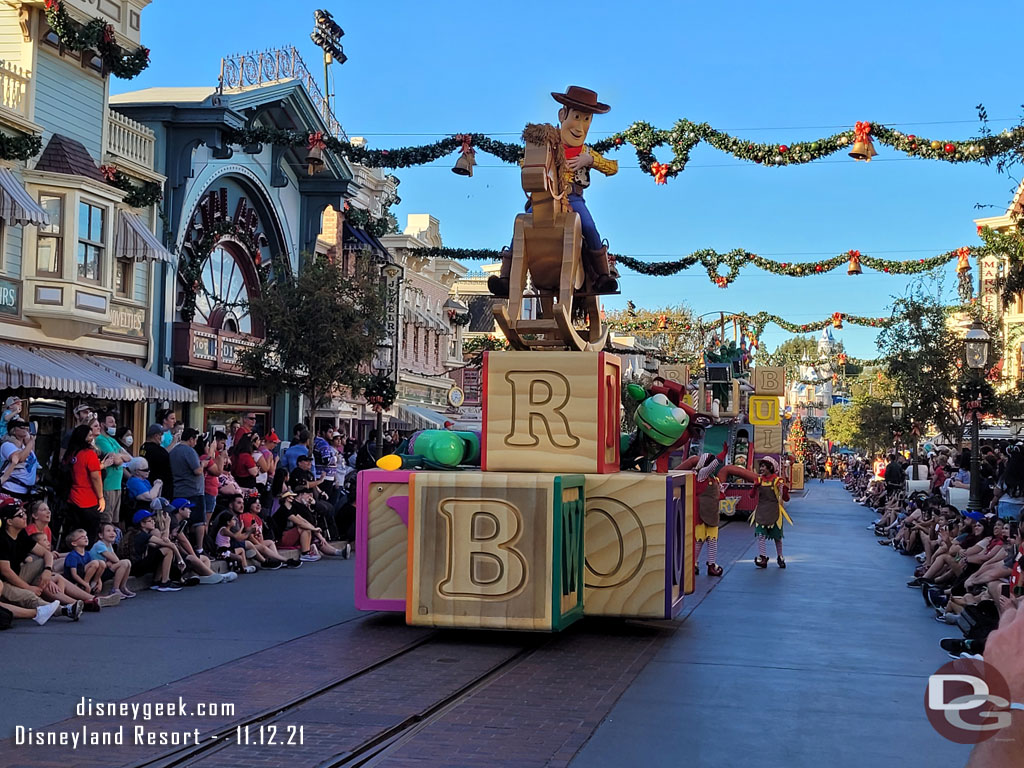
604,281
498,284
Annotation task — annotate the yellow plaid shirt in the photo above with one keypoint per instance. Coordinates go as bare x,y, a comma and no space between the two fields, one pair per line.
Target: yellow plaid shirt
581,178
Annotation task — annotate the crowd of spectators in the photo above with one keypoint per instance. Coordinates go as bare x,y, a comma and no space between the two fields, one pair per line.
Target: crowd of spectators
967,562
186,501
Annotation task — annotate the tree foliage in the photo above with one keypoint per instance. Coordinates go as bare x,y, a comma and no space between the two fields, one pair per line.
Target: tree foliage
864,424
924,354
322,328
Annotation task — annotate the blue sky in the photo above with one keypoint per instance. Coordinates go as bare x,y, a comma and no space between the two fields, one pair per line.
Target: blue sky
770,72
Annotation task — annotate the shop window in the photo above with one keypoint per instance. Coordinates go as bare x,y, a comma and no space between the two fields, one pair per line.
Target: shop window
123,278
437,348
50,242
415,343
90,242
92,61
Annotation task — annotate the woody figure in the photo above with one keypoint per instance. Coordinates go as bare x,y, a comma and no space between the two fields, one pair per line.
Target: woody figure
579,105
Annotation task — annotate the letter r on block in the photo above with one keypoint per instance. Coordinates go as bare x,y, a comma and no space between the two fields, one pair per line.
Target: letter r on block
482,561
538,398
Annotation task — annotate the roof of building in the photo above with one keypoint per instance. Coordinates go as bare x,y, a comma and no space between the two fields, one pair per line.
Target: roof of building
65,155
195,94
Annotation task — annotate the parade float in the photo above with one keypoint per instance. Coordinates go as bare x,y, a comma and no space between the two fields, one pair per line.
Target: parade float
553,511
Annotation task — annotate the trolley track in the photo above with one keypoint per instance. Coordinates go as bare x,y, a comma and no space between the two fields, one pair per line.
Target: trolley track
479,665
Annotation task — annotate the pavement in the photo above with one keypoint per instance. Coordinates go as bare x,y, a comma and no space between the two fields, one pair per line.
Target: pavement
826,660
164,637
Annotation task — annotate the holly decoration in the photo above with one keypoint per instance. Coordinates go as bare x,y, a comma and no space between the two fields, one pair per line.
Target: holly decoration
20,147
96,35
139,195
193,259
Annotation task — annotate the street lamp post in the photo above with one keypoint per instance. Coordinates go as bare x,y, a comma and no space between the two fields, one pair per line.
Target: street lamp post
976,351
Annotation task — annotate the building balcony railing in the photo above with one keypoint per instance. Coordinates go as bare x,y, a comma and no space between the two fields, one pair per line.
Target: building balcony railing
14,82
130,141
246,70
213,349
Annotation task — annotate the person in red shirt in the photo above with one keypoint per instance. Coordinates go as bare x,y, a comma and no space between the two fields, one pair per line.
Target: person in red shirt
85,499
248,424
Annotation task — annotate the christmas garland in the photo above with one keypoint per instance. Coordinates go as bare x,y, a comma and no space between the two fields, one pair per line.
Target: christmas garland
752,325
680,139
360,218
732,261
193,259
96,35
139,196
484,343
402,157
20,147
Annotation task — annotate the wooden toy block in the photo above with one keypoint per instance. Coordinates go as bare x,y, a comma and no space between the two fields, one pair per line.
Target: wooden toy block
768,439
382,540
764,410
495,550
680,374
638,544
551,411
770,380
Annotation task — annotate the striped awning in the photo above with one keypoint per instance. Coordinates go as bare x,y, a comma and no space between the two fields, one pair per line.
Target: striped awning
157,387
16,204
419,417
135,241
63,372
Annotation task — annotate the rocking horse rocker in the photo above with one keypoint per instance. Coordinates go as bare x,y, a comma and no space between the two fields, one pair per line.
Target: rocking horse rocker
555,242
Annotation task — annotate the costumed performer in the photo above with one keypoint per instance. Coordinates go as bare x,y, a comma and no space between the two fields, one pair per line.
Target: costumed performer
769,514
712,472
579,105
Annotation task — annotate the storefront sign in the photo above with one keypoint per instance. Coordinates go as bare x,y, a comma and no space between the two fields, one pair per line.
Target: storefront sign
10,298
126,321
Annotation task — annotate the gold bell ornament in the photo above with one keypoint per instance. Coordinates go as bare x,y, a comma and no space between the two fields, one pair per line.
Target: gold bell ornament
464,165
315,156
854,268
863,149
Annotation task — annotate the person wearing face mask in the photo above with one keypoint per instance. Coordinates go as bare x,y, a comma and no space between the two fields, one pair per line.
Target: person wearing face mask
114,457
125,438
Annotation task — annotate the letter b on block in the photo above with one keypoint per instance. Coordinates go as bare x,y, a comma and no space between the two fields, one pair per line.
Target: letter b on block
551,412
481,541
495,550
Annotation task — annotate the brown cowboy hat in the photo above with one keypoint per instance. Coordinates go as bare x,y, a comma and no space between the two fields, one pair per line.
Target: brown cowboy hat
582,99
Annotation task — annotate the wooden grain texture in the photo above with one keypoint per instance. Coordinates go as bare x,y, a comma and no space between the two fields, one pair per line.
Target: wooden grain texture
626,545
732,408
763,410
767,440
483,550
770,380
551,412
680,374
381,540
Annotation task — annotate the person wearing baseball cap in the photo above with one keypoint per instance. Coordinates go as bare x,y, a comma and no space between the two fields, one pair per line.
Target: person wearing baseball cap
193,568
17,451
12,410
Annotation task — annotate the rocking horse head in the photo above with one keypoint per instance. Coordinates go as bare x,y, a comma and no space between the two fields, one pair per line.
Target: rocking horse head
544,166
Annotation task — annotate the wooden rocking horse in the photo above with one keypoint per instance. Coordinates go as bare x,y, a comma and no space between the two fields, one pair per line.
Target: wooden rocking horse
546,246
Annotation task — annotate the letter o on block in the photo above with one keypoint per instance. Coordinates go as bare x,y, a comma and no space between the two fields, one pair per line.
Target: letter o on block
638,540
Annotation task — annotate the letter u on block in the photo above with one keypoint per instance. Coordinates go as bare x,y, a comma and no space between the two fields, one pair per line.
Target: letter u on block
482,560
538,398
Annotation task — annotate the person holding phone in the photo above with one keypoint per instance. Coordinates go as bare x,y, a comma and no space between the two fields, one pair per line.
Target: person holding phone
18,460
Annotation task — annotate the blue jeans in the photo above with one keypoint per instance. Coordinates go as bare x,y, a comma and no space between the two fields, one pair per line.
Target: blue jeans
591,238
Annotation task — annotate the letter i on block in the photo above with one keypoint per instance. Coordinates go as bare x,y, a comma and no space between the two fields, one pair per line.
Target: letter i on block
638,542
495,550
551,411
382,539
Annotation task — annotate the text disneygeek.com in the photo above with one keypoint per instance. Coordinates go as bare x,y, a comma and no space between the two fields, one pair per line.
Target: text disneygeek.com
147,734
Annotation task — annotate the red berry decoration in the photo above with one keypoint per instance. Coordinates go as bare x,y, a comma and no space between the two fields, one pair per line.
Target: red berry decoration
784,265
783,148
817,267
886,269
618,140
950,149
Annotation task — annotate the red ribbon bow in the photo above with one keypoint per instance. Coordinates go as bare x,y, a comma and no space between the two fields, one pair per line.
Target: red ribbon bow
467,142
962,263
109,172
660,171
862,130
316,141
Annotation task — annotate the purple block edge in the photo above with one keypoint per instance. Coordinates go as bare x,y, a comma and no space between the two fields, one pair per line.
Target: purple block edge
672,608
366,478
